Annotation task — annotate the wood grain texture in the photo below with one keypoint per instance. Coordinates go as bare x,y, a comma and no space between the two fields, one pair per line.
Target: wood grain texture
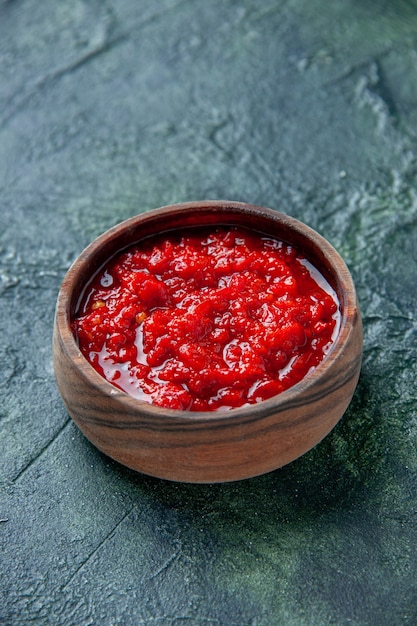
224,445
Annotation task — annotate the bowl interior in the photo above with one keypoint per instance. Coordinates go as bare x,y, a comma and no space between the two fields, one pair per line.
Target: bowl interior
202,214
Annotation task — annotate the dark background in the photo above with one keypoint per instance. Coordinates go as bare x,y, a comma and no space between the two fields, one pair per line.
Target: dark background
110,108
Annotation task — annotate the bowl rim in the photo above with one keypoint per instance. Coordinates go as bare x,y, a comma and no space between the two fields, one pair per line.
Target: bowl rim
349,310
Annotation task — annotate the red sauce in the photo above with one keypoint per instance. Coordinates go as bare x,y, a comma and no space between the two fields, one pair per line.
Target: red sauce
208,320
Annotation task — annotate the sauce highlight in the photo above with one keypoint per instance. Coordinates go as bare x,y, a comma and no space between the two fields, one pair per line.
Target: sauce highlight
208,320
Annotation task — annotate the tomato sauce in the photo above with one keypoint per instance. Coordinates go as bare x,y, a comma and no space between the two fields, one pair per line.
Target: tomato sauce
207,320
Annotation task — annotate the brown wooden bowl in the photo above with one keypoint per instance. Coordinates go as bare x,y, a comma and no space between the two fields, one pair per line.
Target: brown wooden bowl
217,446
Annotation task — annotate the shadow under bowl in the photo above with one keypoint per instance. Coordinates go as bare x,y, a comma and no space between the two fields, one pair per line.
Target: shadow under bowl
225,445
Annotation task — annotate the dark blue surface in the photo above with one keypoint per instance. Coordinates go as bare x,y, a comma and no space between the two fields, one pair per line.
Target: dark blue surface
108,109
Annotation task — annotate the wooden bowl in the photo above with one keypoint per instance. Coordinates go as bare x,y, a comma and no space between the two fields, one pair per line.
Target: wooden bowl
205,447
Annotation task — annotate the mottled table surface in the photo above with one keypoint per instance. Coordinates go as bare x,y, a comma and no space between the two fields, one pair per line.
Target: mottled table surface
110,108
